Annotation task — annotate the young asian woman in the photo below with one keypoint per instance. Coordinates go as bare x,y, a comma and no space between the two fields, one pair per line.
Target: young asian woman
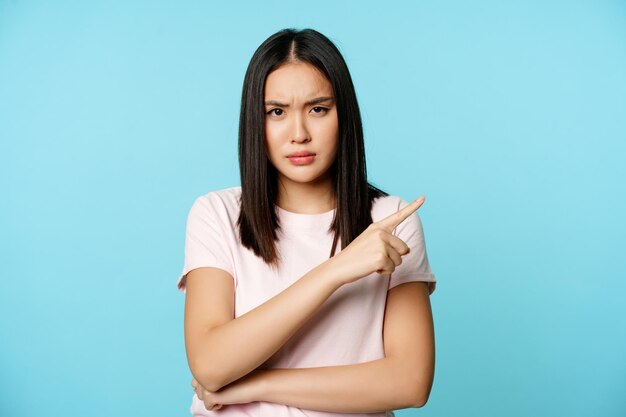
307,288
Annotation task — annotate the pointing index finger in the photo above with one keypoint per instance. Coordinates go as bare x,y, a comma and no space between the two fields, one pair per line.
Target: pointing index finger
393,220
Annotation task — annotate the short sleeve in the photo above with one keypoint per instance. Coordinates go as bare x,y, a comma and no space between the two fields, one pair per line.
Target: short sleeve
414,266
205,243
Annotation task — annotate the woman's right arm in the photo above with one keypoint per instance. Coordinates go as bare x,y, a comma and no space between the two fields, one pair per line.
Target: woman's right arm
221,349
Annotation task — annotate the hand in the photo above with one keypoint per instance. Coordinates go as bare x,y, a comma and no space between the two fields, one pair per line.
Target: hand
376,249
209,398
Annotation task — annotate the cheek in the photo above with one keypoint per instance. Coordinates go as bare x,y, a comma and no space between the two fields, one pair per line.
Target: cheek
330,129
274,134
330,134
271,140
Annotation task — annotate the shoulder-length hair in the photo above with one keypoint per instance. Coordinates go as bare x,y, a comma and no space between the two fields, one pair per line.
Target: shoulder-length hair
354,196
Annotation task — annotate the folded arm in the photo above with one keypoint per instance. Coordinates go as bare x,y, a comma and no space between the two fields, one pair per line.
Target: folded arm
402,379
219,346
369,387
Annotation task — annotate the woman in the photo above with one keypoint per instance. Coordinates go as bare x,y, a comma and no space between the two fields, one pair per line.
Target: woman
294,304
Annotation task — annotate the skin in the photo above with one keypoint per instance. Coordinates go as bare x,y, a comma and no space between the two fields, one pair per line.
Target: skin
406,371
299,126
401,379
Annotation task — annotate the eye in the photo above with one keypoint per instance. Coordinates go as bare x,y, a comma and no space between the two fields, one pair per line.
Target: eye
270,112
324,109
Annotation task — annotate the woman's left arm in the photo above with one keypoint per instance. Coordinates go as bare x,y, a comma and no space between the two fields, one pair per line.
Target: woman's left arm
402,379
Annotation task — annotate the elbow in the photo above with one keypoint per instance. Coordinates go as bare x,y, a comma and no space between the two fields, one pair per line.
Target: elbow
212,385
205,375
420,400
420,394
421,383
420,403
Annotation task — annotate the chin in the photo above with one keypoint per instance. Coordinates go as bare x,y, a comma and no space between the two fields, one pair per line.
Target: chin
304,178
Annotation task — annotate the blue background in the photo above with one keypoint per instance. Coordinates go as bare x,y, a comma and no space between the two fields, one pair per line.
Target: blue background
508,116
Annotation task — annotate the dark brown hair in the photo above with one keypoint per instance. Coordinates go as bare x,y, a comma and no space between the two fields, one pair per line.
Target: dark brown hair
258,219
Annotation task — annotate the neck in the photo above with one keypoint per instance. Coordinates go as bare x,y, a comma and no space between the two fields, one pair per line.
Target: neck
306,198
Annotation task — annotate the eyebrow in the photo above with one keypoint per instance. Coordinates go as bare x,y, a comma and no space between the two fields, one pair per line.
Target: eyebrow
314,101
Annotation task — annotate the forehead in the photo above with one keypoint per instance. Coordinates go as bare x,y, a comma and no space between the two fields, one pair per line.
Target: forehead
296,80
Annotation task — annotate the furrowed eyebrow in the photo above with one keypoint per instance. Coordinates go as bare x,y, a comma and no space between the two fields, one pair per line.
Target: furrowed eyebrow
314,101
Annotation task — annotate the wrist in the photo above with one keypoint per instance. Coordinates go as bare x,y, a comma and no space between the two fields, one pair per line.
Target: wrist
331,271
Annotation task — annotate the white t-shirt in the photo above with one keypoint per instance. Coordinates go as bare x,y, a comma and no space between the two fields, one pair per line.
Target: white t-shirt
348,326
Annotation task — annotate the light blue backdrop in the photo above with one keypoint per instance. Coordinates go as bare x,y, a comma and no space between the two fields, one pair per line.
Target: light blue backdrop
509,117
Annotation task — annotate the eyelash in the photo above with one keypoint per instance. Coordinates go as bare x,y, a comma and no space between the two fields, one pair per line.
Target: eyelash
316,107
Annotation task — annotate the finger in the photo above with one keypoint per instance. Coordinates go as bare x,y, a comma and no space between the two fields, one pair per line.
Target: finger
211,405
393,220
396,244
395,257
194,383
386,271
388,267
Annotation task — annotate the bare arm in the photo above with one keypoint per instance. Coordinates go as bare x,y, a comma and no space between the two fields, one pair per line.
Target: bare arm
402,379
409,335
369,387
221,349
227,349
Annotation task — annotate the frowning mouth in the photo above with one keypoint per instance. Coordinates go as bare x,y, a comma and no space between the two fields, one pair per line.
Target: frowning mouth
301,158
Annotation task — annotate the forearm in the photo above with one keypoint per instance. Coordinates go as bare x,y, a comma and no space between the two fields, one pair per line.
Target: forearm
369,387
234,349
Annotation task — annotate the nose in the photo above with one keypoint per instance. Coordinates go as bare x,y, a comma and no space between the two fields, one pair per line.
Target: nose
300,132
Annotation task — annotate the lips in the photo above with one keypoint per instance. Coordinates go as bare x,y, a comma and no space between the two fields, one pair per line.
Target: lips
300,154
